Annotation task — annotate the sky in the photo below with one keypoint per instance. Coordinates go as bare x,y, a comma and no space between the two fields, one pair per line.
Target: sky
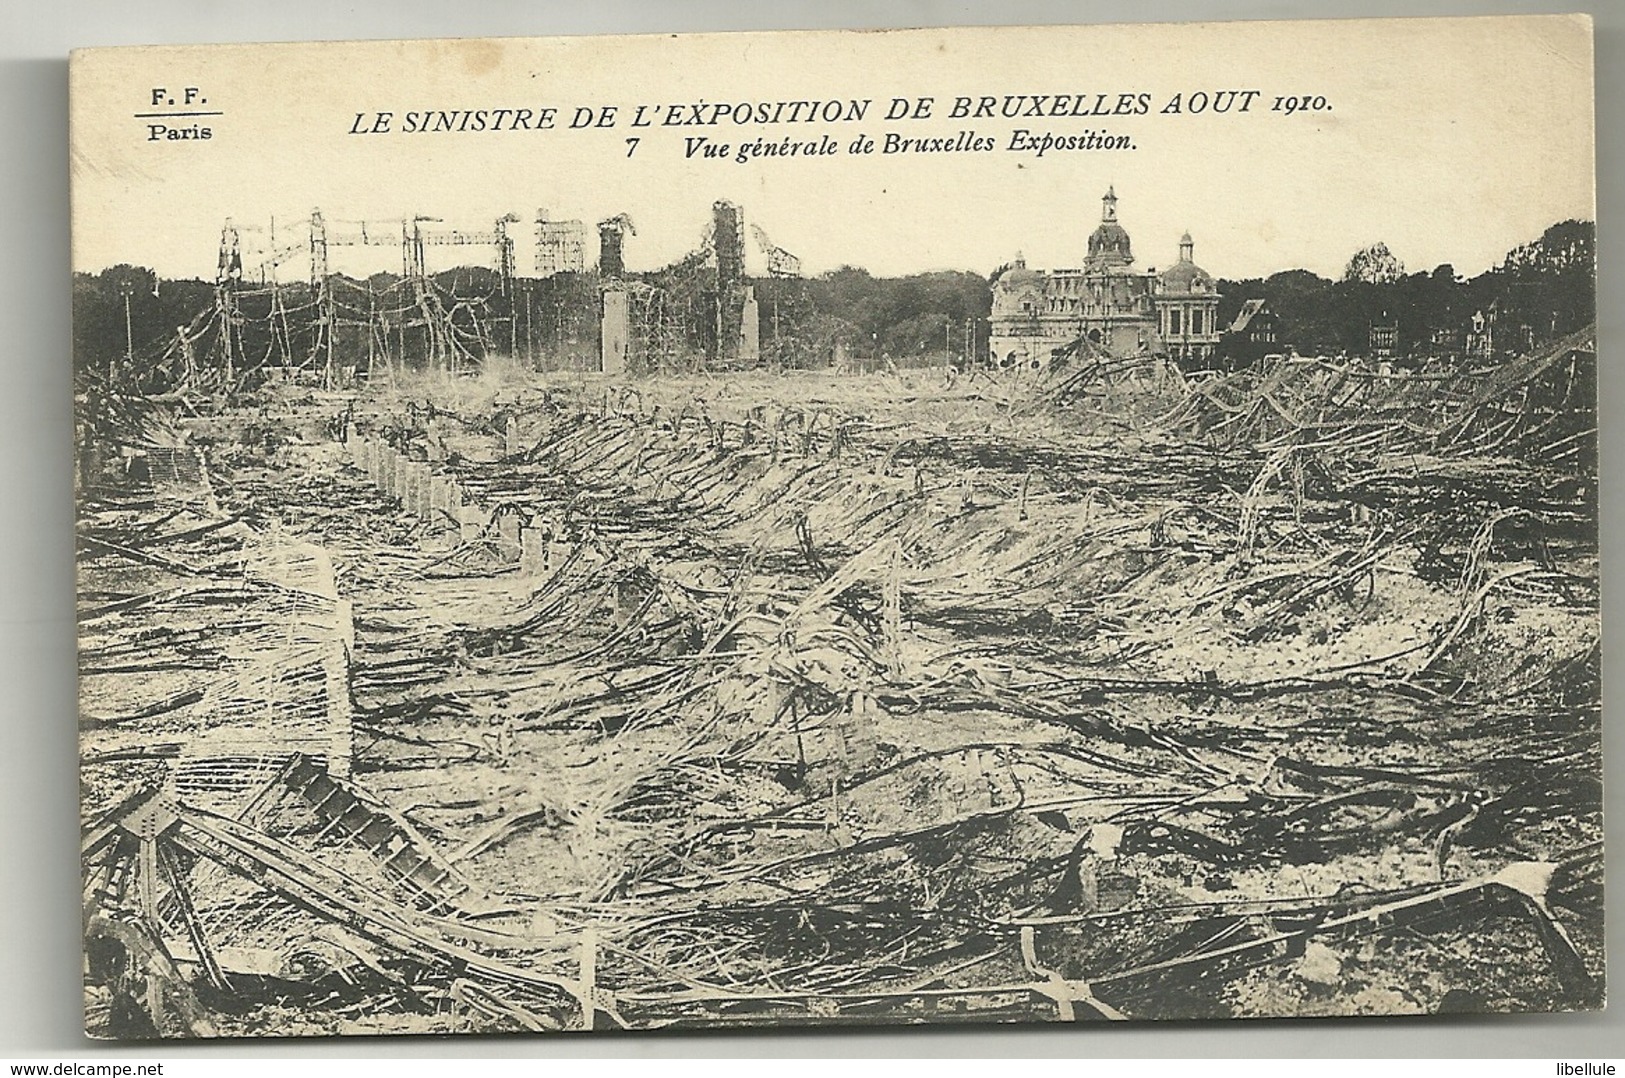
1451,140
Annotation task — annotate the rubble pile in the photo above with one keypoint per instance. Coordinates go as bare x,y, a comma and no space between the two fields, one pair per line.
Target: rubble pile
477,706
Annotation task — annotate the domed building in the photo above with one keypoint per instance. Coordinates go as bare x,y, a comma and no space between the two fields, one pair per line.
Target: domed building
1187,307
1109,244
1107,303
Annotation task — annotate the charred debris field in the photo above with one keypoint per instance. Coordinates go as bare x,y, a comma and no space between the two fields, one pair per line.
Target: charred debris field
524,702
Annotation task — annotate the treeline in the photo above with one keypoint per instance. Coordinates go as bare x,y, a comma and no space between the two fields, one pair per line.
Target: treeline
806,322
157,307
872,321
1541,290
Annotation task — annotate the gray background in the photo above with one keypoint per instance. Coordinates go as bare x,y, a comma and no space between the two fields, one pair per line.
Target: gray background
39,880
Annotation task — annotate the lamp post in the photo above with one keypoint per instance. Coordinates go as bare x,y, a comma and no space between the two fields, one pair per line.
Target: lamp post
128,289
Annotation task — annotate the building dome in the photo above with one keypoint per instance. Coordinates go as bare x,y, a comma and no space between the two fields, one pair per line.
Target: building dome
1110,244
1015,271
1185,277
1018,291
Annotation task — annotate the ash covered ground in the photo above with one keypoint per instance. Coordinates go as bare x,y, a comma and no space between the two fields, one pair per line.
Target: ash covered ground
521,702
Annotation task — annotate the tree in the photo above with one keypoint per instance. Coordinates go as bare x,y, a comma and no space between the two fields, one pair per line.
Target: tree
1566,247
916,316
1374,265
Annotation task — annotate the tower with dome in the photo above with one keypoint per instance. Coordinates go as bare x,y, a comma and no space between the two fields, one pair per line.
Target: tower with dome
1106,305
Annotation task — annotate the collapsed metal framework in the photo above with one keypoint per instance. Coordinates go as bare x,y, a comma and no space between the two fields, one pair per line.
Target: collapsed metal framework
259,323
154,934
903,869
698,308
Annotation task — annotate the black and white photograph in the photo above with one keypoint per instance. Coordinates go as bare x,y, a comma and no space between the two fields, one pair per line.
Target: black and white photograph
834,528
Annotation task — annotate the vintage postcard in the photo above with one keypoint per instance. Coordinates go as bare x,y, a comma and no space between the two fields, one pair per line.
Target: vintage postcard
934,526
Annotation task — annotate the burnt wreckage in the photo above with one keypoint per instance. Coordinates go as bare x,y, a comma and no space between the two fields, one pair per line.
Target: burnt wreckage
554,703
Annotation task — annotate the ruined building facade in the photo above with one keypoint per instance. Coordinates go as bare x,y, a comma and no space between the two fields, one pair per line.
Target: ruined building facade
561,246
699,311
1107,304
